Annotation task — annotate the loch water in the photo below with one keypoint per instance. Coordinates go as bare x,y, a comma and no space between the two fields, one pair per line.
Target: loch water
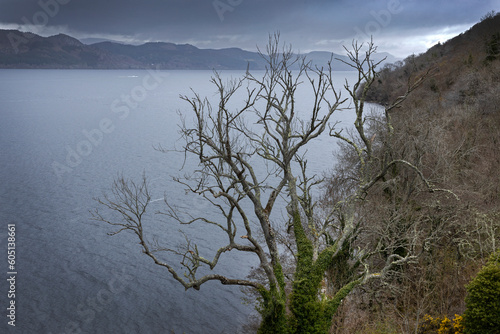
65,135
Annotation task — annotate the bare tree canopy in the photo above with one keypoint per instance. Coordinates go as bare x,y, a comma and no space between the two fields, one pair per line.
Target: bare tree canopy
322,233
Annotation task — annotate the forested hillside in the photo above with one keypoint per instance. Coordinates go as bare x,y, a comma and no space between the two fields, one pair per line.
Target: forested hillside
448,127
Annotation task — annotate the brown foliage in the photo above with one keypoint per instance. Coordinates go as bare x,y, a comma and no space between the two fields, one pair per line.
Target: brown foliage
449,129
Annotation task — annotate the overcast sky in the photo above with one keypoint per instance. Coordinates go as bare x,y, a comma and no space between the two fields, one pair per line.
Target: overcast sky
401,27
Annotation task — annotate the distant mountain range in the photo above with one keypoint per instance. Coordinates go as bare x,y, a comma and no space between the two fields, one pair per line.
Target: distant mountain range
28,50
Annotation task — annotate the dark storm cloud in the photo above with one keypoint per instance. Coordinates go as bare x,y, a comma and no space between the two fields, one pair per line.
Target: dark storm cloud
307,24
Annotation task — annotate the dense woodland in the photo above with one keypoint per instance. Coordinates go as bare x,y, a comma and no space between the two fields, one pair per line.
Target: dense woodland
450,128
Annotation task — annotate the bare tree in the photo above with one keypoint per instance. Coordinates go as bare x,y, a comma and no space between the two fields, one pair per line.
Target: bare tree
246,194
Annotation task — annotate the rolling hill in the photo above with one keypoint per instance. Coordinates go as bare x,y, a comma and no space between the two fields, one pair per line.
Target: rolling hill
28,50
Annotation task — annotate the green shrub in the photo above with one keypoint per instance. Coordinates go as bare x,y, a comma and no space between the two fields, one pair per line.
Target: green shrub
482,314
493,47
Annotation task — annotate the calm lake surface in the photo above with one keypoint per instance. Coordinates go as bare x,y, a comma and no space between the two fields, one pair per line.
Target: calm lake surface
64,136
